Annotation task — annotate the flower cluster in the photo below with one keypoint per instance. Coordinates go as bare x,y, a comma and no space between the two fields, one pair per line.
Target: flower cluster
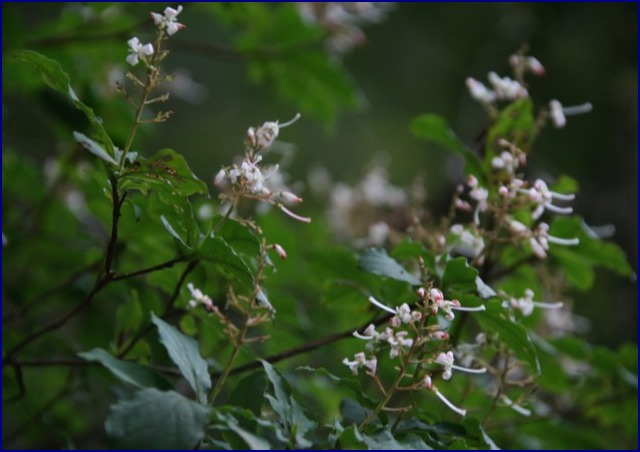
165,22
407,337
342,21
250,179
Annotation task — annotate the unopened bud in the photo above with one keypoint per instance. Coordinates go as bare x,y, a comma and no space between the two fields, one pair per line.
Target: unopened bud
281,252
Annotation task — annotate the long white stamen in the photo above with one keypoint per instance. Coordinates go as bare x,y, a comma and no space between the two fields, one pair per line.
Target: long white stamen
360,336
556,209
460,411
559,241
469,370
515,407
562,196
381,306
291,121
542,305
463,308
293,215
577,109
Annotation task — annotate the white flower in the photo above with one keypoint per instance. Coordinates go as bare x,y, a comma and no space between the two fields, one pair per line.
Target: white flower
558,113
526,304
264,136
446,360
360,360
480,195
480,92
448,306
467,243
506,88
528,63
505,161
138,50
540,240
168,21
541,195
198,297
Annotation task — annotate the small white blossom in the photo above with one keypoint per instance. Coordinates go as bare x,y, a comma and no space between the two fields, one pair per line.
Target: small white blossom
264,136
448,306
527,63
506,88
480,92
540,195
360,360
467,242
197,297
505,161
138,50
168,21
446,361
526,304
558,112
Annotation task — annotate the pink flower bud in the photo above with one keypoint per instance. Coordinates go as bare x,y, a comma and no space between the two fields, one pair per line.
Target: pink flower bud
290,197
281,252
422,293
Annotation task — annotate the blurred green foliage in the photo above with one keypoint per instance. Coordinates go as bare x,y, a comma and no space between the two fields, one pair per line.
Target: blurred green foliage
259,62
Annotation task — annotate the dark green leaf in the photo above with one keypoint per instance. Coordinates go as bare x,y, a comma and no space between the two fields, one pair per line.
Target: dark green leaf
249,392
238,236
435,129
129,372
460,277
496,319
288,410
166,167
54,76
377,261
217,250
385,440
184,352
157,420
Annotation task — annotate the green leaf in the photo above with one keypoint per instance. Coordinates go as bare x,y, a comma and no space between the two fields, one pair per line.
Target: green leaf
217,250
496,319
385,440
249,392
129,372
240,237
477,436
157,420
93,147
166,167
183,351
435,129
460,277
288,410
378,262
54,76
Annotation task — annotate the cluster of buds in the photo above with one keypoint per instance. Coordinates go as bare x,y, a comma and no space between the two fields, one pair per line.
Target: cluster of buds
406,335
250,179
504,89
538,238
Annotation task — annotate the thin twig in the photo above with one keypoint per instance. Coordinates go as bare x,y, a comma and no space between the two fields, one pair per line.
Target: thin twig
304,348
144,271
